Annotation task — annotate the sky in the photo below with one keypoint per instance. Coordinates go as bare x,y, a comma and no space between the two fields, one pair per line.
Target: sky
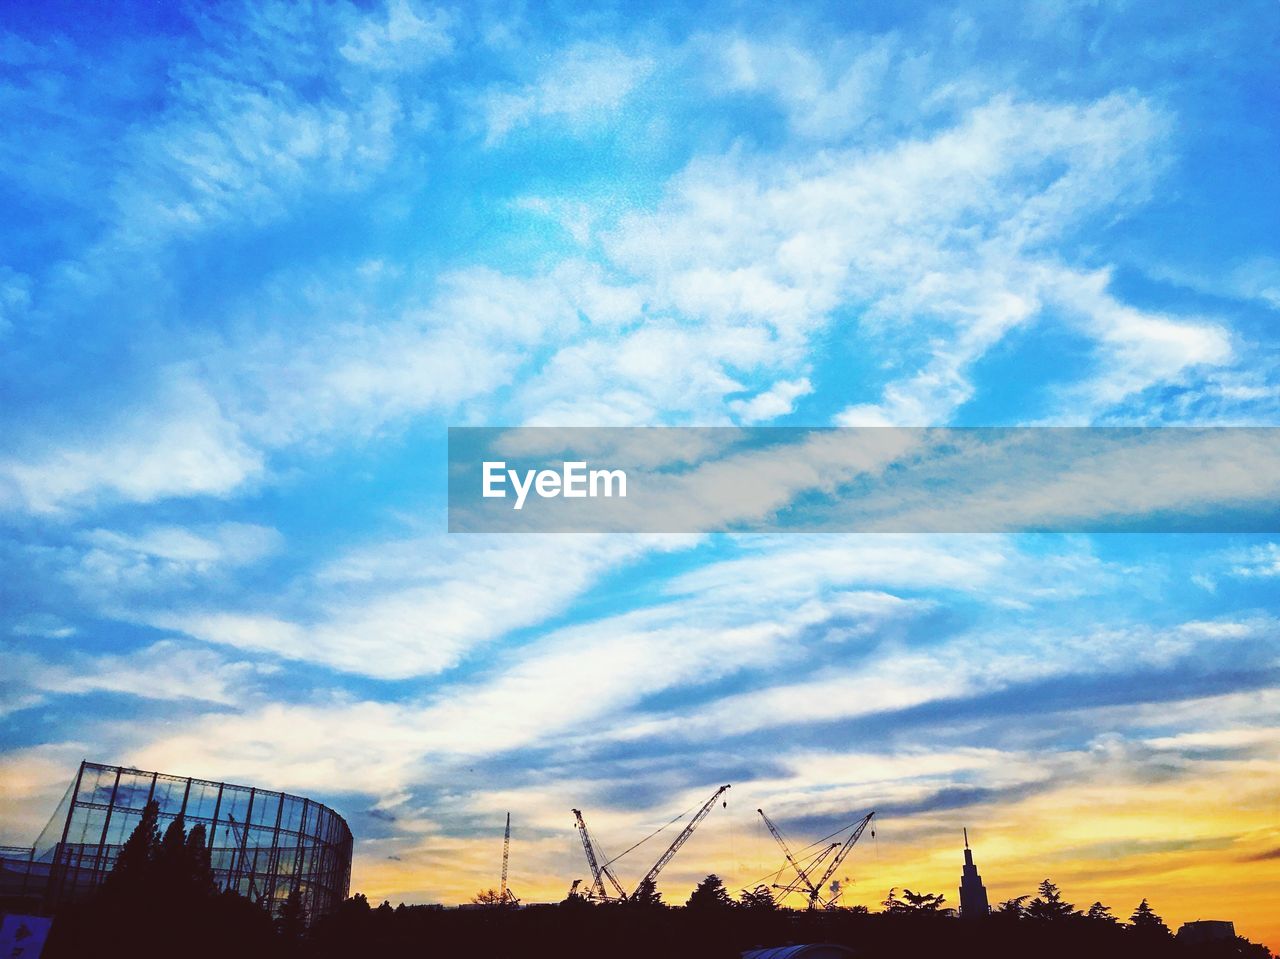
255,259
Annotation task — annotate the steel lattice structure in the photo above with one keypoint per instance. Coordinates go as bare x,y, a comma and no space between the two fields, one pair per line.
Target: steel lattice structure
263,844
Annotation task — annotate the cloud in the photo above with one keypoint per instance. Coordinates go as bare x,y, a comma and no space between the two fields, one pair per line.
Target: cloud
1256,562
778,400
44,626
584,84
419,607
410,36
167,670
182,445
114,564
825,96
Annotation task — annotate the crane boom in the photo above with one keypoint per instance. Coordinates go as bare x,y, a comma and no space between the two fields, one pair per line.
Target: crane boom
506,855
679,841
802,877
597,871
801,874
839,857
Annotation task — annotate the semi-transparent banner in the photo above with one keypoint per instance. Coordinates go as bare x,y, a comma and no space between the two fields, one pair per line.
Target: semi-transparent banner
863,479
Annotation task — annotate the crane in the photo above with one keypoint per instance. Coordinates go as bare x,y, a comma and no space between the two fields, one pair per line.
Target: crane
802,876
598,872
803,873
679,841
839,857
507,896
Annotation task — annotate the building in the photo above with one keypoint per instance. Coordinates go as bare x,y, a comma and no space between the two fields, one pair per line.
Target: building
263,844
973,894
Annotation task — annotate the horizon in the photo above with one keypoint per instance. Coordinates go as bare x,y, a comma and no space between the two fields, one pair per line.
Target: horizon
259,258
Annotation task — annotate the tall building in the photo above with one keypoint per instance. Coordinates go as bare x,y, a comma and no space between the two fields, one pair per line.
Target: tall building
973,894
262,844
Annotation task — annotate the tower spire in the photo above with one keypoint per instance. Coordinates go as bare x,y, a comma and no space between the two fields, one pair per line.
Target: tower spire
973,894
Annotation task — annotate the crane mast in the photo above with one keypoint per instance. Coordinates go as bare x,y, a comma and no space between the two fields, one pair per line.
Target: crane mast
802,875
679,841
506,855
840,856
597,871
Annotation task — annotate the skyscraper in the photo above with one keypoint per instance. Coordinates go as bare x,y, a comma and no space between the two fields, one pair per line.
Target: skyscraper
973,894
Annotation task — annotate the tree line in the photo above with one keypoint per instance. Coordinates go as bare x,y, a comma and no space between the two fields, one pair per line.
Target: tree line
161,899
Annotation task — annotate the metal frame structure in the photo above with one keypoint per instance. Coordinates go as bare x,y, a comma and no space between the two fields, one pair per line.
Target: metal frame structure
262,844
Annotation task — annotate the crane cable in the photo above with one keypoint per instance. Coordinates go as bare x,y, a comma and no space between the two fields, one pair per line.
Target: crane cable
838,832
646,838
775,875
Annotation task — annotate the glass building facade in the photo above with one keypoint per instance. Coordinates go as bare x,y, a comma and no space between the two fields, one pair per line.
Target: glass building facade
263,844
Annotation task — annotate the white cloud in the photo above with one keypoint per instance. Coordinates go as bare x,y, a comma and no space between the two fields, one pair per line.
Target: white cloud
825,97
181,445
410,36
777,400
113,565
1256,562
418,607
583,85
166,670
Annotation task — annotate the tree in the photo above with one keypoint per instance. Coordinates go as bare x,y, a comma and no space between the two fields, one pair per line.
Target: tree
913,902
1049,905
1100,913
647,894
293,917
171,863
133,864
1013,908
485,897
760,899
709,894
199,863
1145,921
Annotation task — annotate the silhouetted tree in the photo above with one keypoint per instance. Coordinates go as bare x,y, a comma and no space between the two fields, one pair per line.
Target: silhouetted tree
171,865
1100,913
293,918
913,902
1049,905
163,888
1146,923
647,894
709,894
1013,908
485,897
760,898
133,864
198,861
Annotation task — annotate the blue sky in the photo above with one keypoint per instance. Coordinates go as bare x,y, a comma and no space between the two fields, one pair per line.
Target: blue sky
256,258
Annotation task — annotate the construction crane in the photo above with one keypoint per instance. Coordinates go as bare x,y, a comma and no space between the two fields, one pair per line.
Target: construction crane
666,857
802,876
573,890
837,859
507,897
598,872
